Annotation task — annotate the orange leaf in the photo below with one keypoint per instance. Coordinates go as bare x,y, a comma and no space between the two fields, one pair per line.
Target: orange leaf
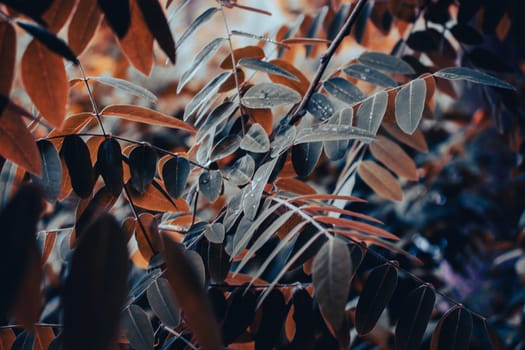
17,144
322,197
7,338
320,208
289,184
300,86
416,140
139,260
45,80
356,225
83,25
7,57
57,14
29,297
264,117
137,44
49,243
394,158
149,234
145,115
71,125
305,41
380,180
243,52
44,335
153,199
229,84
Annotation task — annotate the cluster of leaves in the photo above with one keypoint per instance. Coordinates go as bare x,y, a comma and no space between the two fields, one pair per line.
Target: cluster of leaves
269,254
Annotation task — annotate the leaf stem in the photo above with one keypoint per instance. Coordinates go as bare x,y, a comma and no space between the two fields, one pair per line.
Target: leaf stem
92,99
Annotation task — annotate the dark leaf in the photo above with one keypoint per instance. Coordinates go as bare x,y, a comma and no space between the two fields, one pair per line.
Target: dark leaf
96,286
18,221
263,66
274,310
158,26
225,147
51,178
30,8
7,57
422,40
190,295
78,162
218,262
160,298
109,164
495,340
466,34
475,76
100,204
453,330
305,157
175,174
385,62
240,314
210,184
467,10
49,39
376,294
368,74
137,328
142,164
412,323
117,14
320,106
343,90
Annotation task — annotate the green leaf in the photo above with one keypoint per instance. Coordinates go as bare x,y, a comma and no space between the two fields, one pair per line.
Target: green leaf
267,95
256,140
51,178
175,173
474,76
201,19
453,331
137,328
162,303
371,112
343,90
385,62
263,66
126,86
331,277
210,184
410,103
370,75
320,106
201,59
378,289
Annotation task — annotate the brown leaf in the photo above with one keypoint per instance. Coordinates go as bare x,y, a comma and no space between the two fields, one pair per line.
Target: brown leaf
137,44
7,57
394,158
191,296
153,199
158,26
7,338
262,116
45,80
301,85
380,180
83,25
148,240
49,243
44,335
305,41
145,115
290,184
17,143
416,140
356,225
57,14
243,52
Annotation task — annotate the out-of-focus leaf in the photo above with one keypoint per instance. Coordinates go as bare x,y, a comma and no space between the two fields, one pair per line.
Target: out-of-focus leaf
416,140
263,66
145,115
273,317
45,81
242,170
158,26
117,14
385,62
343,90
17,143
49,40
218,262
320,106
267,95
142,164
175,174
32,9
239,316
380,180
210,184
410,103
466,34
137,328
225,147
331,277
160,298
453,330
190,296
371,112
109,164
96,286
394,158
78,162
197,22
376,294
254,52
305,157
83,25
51,178
7,338
369,74
337,149
101,203
256,140
18,220
200,59
126,86
58,14
412,323
137,43
203,96
474,76
215,232
7,57
44,335
494,338
253,192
